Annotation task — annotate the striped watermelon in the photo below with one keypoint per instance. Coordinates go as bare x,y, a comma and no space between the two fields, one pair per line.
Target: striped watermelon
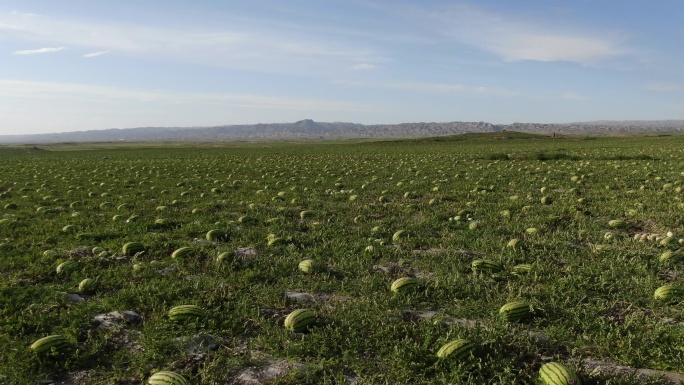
167,378
186,312
405,285
458,348
669,293
54,343
87,286
306,214
132,248
485,265
515,311
182,252
223,257
307,265
617,224
216,235
67,267
522,269
554,373
399,235
513,243
670,256
275,241
97,250
299,320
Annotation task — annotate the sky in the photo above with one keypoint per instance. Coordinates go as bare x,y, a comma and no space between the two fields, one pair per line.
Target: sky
74,65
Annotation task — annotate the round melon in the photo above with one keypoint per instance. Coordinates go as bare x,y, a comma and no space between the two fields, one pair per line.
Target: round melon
617,224
87,286
167,378
299,320
132,248
67,267
55,343
670,256
516,311
405,285
458,348
554,373
399,235
182,252
669,293
513,243
97,250
306,214
216,235
307,266
186,312
224,257
522,269
485,266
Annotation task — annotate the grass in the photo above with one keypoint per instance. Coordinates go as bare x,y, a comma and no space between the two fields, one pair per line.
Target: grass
590,302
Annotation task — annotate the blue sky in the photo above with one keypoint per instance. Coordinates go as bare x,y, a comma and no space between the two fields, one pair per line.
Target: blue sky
92,64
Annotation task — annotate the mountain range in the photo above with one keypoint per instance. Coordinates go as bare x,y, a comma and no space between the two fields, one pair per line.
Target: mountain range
308,129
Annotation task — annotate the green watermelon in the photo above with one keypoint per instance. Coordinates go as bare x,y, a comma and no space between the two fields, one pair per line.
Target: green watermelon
669,293
405,285
554,373
522,269
515,311
132,248
299,320
399,235
617,224
54,343
67,267
458,348
182,252
485,265
216,235
306,214
186,312
167,378
87,286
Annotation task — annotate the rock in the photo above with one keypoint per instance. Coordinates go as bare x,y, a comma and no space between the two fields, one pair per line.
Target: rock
245,252
74,297
299,296
114,318
199,344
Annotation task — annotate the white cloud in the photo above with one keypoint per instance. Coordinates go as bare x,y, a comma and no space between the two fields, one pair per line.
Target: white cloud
239,46
516,39
427,87
46,90
571,95
38,51
663,87
96,54
363,67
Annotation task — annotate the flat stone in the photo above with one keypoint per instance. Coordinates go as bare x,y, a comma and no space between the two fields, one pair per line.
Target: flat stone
273,369
199,344
605,366
74,297
299,296
245,252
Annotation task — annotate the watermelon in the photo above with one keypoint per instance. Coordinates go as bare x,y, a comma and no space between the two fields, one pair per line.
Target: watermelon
515,311
399,235
167,378
306,214
67,267
223,256
669,293
54,343
182,252
186,312
513,243
546,200
87,286
216,235
299,320
98,250
458,348
485,265
554,373
405,285
132,248
670,256
522,269
307,266
275,241
617,224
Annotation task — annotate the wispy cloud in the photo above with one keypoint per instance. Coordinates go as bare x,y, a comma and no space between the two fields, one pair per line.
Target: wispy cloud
427,87
663,87
38,51
363,67
240,46
571,95
515,38
50,90
96,54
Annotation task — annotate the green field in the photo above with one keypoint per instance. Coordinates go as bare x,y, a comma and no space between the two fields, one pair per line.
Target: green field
591,216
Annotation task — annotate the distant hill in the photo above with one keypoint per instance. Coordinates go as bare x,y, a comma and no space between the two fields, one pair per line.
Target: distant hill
308,129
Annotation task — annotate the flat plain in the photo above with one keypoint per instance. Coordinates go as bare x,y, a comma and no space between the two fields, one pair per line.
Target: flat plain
582,230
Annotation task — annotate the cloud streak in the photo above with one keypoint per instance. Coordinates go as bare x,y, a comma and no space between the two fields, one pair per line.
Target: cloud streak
38,51
438,88
96,54
513,38
49,90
